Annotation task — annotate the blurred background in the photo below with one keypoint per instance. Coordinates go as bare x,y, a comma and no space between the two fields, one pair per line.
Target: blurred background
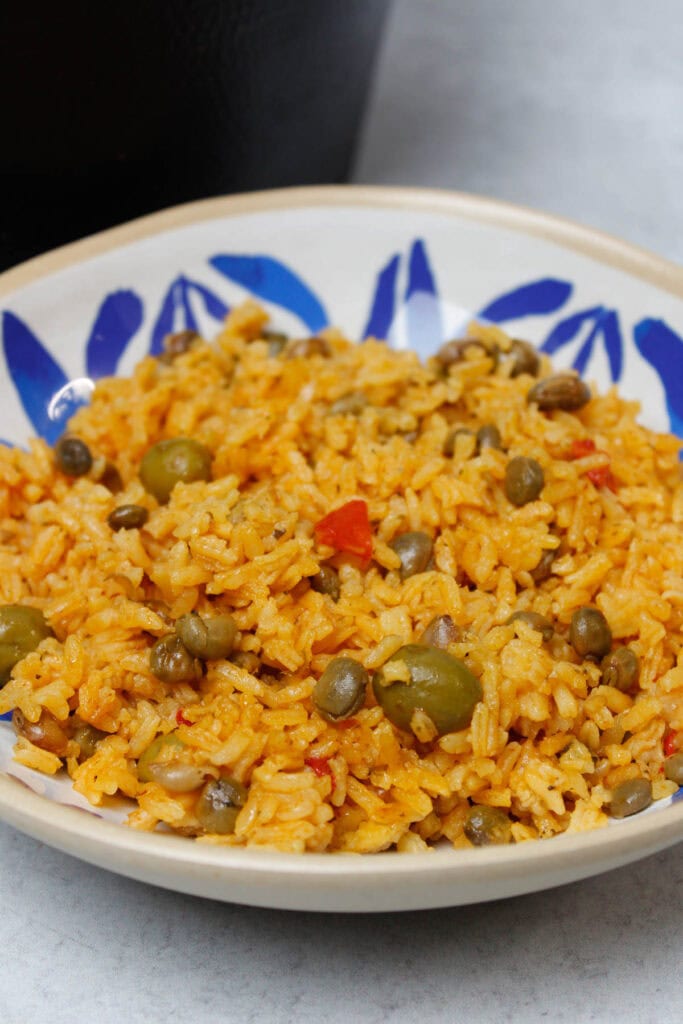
115,111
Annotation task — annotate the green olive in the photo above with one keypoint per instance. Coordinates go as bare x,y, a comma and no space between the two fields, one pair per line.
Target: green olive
630,797
589,633
157,753
127,517
488,826
276,342
208,639
247,660
351,404
441,632
326,581
73,456
87,737
171,662
415,551
488,436
219,804
563,391
340,691
620,669
47,733
535,621
452,437
524,480
439,685
168,462
524,358
673,768
177,344
21,630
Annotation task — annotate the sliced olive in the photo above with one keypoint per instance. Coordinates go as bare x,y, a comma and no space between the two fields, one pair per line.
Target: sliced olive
589,633
326,581
488,826
351,404
127,517
630,797
524,358
168,462
208,639
488,436
673,768
219,804
73,457
177,777
441,632
524,480
620,669
438,684
47,733
535,621
171,662
415,550
340,691
21,630
563,391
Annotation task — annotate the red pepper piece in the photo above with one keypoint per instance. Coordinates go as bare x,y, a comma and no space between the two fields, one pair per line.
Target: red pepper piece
580,447
180,718
321,767
669,742
603,476
347,529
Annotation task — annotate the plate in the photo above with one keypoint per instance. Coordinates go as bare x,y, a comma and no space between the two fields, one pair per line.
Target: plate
413,266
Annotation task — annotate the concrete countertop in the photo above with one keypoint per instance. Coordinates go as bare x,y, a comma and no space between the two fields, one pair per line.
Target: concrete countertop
574,109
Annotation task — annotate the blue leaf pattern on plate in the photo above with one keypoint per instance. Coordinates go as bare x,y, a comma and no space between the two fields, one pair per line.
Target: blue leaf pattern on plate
270,280
35,374
534,299
605,325
117,320
423,308
663,349
176,312
383,301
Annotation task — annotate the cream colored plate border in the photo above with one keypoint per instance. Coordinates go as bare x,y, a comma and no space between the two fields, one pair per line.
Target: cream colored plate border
325,882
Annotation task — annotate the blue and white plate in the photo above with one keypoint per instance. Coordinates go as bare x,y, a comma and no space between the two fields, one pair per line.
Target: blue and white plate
409,265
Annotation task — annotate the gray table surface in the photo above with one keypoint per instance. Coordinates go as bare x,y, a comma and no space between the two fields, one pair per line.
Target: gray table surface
574,108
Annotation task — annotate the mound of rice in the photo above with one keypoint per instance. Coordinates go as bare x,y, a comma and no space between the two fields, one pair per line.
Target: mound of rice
548,742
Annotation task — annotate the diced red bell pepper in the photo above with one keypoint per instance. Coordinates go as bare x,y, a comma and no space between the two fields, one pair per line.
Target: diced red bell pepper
580,447
180,718
347,529
669,742
603,476
321,767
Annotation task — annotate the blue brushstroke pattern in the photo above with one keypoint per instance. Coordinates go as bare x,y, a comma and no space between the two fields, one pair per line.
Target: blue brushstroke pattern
383,301
614,345
7,717
534,299
214,305
35,374
165,321
272,281
663,349
567,329
423,308
117,320
586,351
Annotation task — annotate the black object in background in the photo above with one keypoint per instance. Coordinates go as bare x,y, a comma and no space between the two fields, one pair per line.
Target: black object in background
113,110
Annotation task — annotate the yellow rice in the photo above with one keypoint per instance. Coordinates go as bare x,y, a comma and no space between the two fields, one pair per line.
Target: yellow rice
547,743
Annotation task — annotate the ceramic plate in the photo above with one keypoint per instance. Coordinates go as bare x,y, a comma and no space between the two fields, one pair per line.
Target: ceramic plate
409,265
